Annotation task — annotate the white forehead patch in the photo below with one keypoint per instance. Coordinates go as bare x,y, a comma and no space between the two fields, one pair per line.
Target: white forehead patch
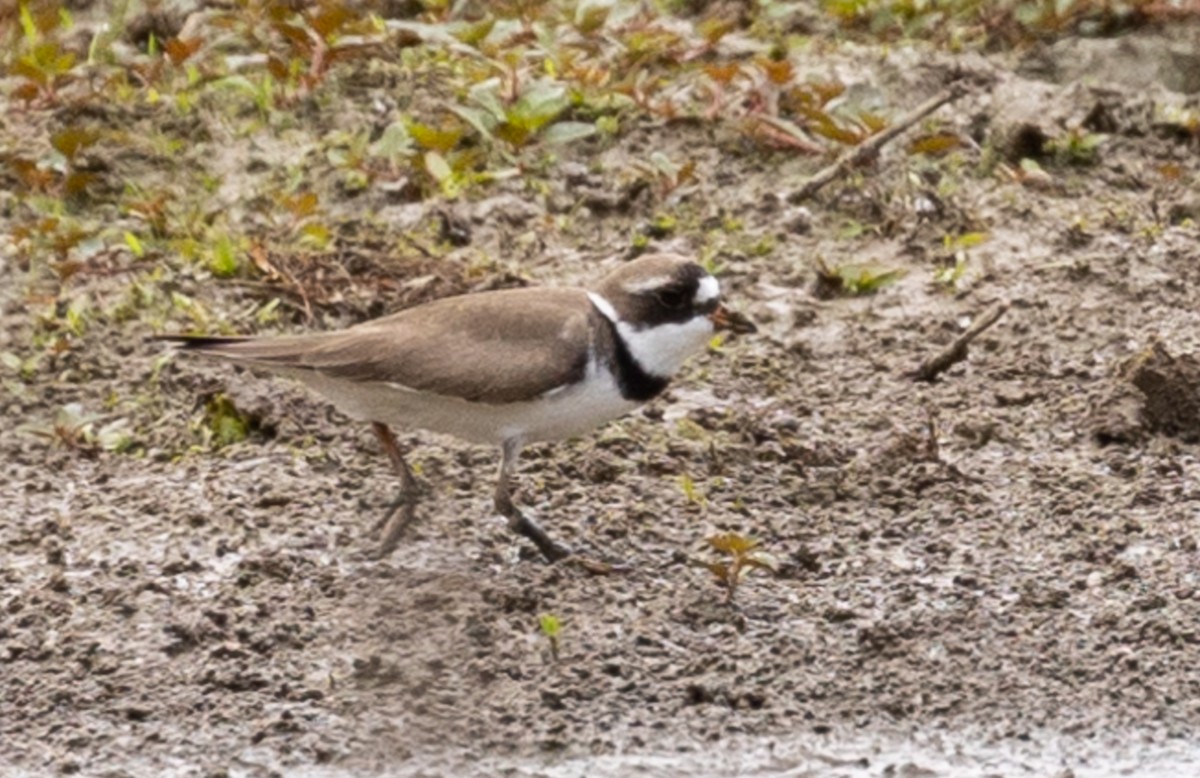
647,284
708,290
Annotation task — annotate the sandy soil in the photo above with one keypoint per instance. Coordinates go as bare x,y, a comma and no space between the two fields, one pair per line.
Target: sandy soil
990,566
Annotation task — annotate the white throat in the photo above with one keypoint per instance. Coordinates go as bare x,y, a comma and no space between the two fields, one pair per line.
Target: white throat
662,349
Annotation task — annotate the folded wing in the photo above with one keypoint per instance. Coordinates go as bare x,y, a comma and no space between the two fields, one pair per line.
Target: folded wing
496,347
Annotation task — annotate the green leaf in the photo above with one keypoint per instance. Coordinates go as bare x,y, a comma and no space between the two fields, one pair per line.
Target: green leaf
267,314
550,625
28,25
474,34
316,235
225,422
567,132
970,240
438,167
11,361
866,279
482,122
395,142
538,105
690,491
72,416
487,94
1030,166
134,245
439,139
115,436
223,260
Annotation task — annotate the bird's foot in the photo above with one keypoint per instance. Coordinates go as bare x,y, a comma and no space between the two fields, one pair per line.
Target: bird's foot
595,566
557,553
395,521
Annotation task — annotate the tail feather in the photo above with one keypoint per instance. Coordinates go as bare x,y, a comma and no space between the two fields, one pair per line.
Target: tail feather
277,352
198,342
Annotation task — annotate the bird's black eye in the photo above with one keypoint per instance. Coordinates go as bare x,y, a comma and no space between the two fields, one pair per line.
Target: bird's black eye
672,299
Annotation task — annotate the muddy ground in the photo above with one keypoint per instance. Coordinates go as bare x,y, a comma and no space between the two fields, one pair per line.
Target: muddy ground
1005,558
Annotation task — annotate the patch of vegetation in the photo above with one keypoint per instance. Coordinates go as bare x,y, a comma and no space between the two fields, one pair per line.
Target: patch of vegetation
853,279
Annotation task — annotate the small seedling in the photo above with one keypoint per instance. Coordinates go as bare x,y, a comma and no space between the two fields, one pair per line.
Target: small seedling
1076,147
552,628
742,558
693,495
956,258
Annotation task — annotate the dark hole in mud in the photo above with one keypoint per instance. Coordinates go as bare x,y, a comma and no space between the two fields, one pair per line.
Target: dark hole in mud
1028,142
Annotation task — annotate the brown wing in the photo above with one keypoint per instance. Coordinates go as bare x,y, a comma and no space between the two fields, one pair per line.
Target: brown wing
507,346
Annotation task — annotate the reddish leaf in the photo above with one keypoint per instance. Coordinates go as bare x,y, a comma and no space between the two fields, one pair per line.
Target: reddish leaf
258,254
778,71
329,20
295,36
64,270
30,174
1170,171
180,50
76,182
277,68
26,92
722,73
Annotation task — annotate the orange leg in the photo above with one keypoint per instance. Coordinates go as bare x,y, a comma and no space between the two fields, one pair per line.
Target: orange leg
404,508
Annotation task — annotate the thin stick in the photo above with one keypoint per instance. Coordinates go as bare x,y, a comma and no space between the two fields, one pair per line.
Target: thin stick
871,146
956,352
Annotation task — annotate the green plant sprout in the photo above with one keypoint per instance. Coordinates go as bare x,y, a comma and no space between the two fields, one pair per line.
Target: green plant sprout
742,557
551,627
956,257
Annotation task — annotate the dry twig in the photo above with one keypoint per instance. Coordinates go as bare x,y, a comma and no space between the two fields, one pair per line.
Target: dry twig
871,146
956,352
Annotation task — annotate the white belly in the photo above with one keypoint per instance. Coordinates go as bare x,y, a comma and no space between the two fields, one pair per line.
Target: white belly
559,414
